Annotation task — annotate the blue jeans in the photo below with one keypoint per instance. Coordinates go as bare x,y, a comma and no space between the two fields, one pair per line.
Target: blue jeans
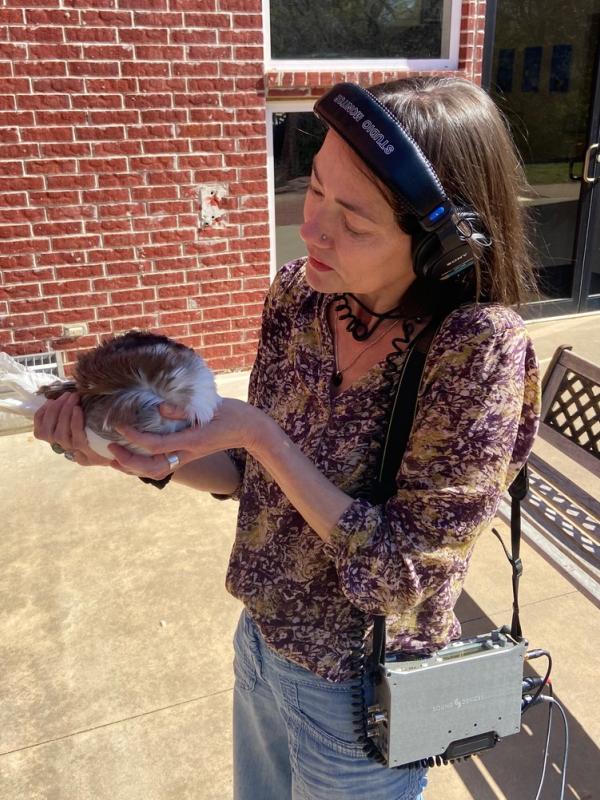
293,734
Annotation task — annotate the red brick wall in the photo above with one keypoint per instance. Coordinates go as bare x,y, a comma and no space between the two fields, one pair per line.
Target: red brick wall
113,115
111,120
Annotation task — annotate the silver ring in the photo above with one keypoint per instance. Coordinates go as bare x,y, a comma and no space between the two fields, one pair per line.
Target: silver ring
56,448
173,461
69,455
323,237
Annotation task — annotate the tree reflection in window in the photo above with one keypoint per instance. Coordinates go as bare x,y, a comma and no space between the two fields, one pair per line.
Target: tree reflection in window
356,29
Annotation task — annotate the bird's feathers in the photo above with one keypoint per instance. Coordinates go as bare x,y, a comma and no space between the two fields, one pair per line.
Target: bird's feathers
121,382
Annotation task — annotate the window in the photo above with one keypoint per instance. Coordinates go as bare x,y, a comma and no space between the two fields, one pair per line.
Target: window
312,34
294,138
504,75
560,67
532,65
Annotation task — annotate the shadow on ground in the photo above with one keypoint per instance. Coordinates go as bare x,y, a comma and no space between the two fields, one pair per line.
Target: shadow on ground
515,764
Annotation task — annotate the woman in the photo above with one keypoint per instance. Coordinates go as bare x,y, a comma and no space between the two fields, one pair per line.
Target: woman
316,555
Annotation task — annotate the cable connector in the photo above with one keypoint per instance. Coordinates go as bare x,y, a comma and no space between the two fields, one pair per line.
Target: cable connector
530,683
529,655
529,700
536,653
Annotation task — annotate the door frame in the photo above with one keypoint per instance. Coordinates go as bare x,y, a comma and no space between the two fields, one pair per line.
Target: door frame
587,236
590,235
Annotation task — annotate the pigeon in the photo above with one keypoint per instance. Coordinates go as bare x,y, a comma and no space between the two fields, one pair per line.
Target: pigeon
121,382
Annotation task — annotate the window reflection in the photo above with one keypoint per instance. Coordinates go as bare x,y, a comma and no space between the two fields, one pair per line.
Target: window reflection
351,29
543,66
297,136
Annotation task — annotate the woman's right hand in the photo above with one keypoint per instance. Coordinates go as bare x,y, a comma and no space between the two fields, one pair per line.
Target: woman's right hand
61,422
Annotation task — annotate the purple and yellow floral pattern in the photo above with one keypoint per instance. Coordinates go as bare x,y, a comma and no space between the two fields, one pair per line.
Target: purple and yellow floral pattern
476,419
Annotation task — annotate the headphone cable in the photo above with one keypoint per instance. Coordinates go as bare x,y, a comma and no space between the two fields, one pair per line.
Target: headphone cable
554,702
546,746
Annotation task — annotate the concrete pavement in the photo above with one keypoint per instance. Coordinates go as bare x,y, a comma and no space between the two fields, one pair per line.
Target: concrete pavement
115,636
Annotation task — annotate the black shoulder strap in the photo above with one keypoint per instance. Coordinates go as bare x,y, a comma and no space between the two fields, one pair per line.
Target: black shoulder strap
399,428
517,491
400,423
402,414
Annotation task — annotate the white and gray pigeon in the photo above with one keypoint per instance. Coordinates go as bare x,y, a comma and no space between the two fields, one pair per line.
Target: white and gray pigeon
121,382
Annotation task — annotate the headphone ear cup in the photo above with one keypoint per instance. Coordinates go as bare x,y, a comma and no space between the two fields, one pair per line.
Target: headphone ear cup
425,254
432,262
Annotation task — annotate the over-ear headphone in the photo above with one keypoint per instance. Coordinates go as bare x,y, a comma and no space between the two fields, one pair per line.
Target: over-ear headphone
382,142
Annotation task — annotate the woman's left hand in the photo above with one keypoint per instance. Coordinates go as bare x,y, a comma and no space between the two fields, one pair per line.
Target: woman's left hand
235,424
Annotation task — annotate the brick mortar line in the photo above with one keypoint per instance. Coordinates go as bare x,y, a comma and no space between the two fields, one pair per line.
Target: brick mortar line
115,722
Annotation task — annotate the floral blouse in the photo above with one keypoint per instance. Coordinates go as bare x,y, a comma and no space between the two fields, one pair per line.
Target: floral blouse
476,419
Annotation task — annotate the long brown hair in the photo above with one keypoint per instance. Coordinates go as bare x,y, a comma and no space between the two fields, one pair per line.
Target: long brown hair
466,139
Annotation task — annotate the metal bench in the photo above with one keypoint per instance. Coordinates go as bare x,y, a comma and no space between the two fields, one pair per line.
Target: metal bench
558,516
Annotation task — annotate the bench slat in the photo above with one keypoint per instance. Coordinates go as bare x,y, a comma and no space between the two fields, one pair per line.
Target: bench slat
580,365
574,451
571,407
554,530
567,487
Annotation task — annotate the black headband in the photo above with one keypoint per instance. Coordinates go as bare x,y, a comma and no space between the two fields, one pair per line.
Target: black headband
382,142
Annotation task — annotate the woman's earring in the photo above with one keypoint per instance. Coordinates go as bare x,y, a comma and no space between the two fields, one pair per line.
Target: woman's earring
323,237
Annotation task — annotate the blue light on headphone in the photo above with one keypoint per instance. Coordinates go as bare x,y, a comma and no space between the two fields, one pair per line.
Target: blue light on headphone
436,213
